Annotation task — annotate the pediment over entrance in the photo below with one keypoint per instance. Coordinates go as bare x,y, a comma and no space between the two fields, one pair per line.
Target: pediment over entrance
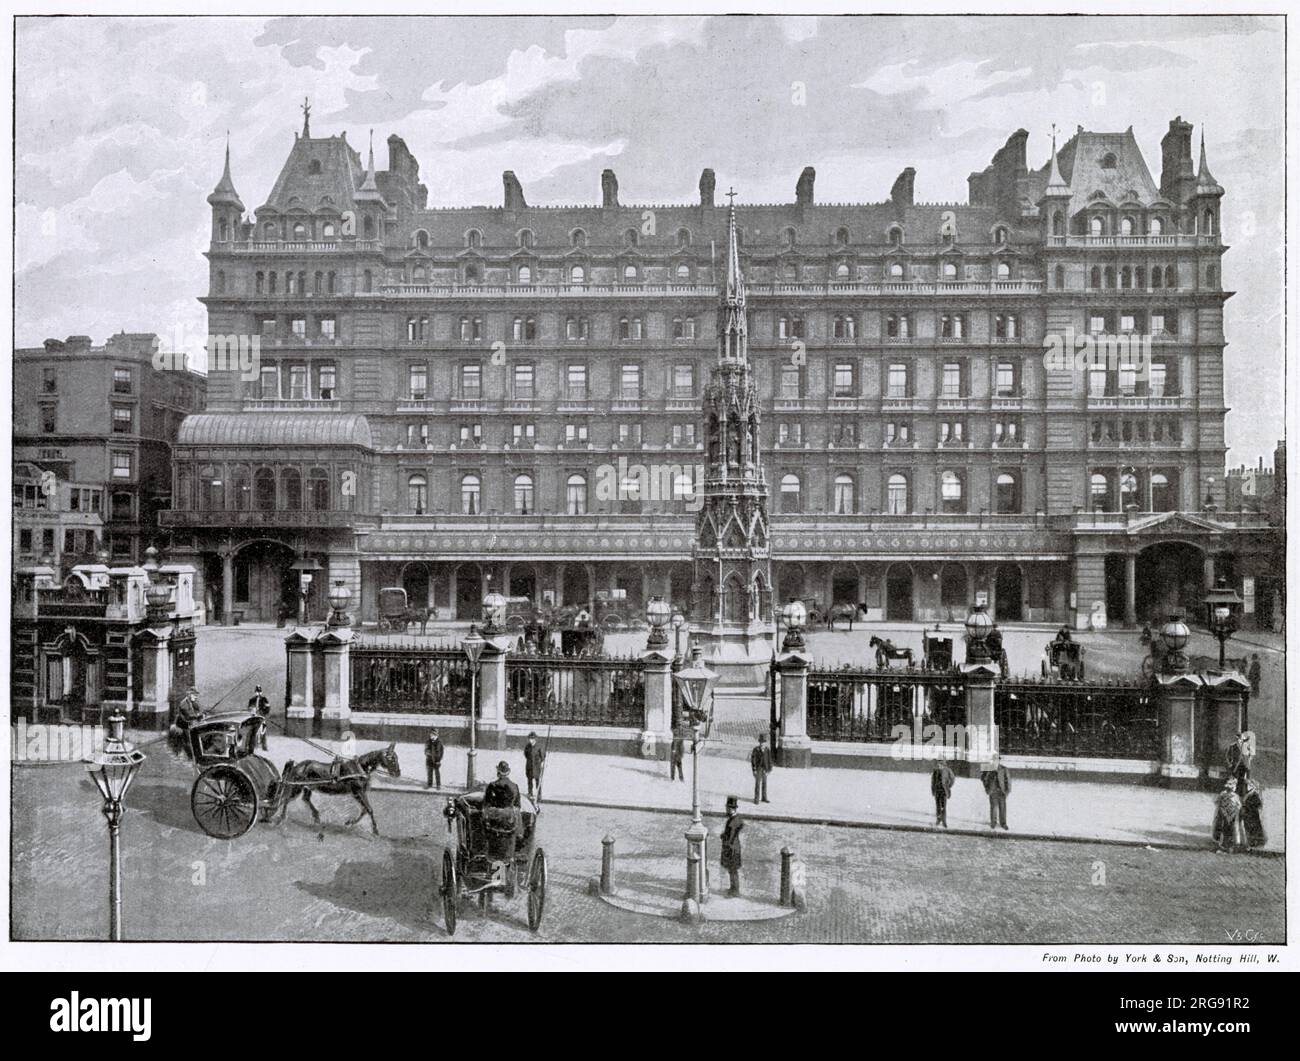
1166,524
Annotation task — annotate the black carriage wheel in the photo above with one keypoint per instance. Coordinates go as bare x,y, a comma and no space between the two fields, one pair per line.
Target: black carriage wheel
537,889
224,802
450,892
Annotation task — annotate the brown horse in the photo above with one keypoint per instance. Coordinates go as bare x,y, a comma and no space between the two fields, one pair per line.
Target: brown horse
342,777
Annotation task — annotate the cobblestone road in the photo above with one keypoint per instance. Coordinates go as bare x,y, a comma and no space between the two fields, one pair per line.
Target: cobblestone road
295,882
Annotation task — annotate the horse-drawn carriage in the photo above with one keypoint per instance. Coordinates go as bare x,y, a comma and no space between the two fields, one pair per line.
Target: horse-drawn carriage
936,652
1063,659
886,651
235,787
490,854
396,614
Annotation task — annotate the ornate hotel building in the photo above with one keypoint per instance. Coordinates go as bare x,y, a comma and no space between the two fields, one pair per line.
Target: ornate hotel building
511,395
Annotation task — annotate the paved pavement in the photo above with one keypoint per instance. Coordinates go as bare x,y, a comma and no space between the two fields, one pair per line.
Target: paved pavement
299,882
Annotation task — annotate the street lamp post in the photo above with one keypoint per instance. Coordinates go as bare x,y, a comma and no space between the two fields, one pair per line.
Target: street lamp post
339,596
978,625
795,616
472,646
696,684
678,621
657,613
113,769
1175,634
1222,615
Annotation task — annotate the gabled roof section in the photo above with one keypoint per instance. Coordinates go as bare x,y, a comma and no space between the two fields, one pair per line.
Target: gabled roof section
319,172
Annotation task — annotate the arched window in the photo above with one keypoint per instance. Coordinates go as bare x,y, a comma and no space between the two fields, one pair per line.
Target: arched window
369,227
290,284
845,495
1126,277
1162,495
842,236
259,283
1140,278
422,240
629,272
184,487
327,230
575,496
525,274
895,271
212,494
469,495
630,238
419,275
1108,160
951,492
1008,493
417,494
271,282
314,167
241,491
897,502
1110,276
474,238
264,490
525,237
1058,224
291,488
299,230
684,272
952,586
329,282
1004,271
1171,277
578,275
1156,226
1096,227
578,238
999,236
319,286
318,490
791,494
683,237
1126,226
1128,488
789,236
1157,275
367,281
950,270
1099,491
895,236
523,494
224,231
1207,223
471,274
842,271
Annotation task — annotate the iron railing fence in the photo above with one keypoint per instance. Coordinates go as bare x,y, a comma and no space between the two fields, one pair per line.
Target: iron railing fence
871,705
568,691
1103,720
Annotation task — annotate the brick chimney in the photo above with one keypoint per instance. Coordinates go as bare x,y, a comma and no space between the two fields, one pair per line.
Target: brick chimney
608,188
514,198
901,194
803,191
707,183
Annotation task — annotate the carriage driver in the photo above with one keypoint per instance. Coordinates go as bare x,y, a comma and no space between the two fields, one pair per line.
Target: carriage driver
501,801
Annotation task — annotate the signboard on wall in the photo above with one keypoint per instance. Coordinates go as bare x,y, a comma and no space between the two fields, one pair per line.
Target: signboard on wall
1248,596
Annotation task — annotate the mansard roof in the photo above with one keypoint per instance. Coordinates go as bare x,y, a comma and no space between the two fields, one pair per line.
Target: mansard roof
1081,163
275,429
320,173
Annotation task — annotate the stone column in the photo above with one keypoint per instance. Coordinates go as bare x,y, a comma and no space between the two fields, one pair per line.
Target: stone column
1207,568
981,733
156,665
1178,765
227,585
300,712
334,658
1224,719
796,745
1130,589
656,670
491,728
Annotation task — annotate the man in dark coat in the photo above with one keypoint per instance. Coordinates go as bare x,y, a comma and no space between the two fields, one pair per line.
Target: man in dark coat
433,759
260,705
534,763
997,783
501,792
675,754
1254,673
731,844
941,782
760,762
1252,815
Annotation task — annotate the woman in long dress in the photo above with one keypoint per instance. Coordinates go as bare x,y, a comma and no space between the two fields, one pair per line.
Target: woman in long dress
1252,815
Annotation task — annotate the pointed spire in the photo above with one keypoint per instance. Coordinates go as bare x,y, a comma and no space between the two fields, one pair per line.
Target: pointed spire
734,333
369,187
1055,182
1205,182
306,117
224,193
735,289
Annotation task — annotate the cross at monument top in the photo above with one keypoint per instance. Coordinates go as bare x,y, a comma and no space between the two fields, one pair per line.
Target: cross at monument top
306,116
731,196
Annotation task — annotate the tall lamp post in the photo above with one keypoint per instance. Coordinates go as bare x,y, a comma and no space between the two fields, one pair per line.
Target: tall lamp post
472,646
696,684
113,769
1222,615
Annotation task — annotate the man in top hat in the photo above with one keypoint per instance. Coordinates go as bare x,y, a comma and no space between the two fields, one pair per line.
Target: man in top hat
534,763
433,759
675,753
760,762
501,792
997,783
731,844
941,782
259,704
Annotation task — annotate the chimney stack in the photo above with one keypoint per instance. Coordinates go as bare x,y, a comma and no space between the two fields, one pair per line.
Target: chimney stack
514,191
1177,178
901,194
707,183
608,188
803,191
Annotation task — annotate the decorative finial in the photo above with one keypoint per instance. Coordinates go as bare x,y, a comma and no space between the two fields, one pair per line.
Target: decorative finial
731,197
306,117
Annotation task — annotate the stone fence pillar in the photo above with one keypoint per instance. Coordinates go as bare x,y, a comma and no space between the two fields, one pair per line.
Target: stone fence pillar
300,685
492,689
156,683
333,657
1178,763
796,745
657,674
1224,719
981,731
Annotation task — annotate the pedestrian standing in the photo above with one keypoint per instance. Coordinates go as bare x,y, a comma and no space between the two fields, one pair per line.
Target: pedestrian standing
1254,673
1252,815
675,754
997,783
731,844
534,763
941,782
433,760
760,762
1227,817
260,706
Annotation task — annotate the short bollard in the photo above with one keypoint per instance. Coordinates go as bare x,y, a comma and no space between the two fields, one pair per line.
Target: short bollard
693,876
787,856
607,883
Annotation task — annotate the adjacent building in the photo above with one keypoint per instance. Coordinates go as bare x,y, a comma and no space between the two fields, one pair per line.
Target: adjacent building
93,428
1018,397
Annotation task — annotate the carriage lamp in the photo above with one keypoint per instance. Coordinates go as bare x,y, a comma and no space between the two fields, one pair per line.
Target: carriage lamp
1222,615
696,683
978,625
339,596
113,769
657,614
472,646
795,616
1175,634
494,613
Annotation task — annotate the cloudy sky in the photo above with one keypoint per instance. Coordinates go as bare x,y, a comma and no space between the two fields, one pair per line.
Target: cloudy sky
121,125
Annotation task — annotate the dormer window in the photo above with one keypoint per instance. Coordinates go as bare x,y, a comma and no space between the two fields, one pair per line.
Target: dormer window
895,236
683,237
327,230
684,272
1109,161
1000,236
630,237
789,236
1096,227
1003,271
1156,227
1126,226
895,271
526,237
525,274
842,237
299,230
474,238
313,167
578,238
422,240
